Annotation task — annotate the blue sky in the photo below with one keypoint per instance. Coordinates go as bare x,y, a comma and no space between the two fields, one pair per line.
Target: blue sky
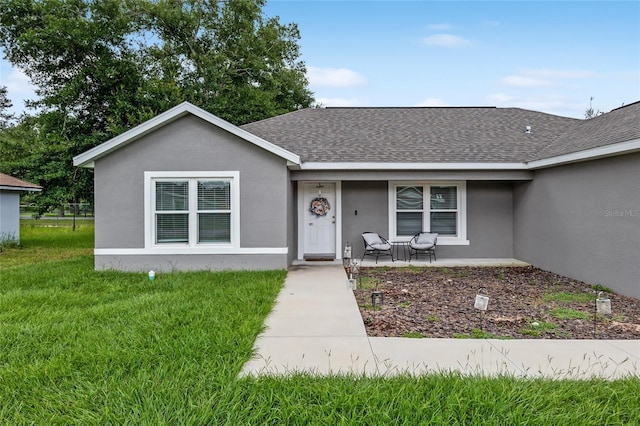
550,56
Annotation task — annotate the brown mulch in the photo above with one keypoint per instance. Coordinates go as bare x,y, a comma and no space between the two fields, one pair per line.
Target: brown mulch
524,303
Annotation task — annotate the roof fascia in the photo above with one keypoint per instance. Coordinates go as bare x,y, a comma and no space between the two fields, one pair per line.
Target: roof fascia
412,166
87,158
588,154
19,188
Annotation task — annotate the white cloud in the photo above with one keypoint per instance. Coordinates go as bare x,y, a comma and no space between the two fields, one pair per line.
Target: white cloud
558,74
545,77
499,98
432,102
334,77
445,40
340,102
439,27
552,103
524,81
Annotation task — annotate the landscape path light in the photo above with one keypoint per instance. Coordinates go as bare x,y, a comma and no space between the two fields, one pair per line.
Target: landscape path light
603,307
152,275
352,270
481,303
377,298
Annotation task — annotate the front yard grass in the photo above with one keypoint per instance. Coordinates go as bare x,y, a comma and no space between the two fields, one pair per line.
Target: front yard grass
84,347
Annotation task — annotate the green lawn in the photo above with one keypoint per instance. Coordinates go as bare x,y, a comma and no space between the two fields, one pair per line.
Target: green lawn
85,347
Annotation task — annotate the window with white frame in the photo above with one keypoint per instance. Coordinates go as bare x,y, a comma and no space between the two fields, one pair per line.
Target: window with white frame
428,206
190,209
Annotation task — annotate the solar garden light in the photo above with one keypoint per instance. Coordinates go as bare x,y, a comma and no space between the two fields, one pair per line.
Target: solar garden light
351,284
346,257
482,301
152,275
377,298
603,307
603,304
352,270
354,267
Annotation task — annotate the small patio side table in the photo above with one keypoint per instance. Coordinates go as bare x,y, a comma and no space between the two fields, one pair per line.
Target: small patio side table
397,245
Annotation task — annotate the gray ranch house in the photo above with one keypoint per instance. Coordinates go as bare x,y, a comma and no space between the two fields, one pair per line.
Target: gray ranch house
188,190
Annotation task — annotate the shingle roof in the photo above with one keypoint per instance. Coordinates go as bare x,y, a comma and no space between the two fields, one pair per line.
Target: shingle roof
413,135
12,183
620,125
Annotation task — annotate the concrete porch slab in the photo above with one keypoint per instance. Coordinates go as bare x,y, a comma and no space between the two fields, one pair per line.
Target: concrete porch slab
370,262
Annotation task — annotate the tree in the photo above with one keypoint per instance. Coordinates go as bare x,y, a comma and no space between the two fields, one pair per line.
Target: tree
104,66
590,112
5,104
225,57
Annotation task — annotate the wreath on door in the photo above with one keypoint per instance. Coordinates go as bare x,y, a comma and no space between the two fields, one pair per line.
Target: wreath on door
319,206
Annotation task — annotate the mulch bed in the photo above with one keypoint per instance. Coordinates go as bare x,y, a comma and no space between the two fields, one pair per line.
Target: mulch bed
524,303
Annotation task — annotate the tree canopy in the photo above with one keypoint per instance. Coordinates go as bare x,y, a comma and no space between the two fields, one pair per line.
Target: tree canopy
103,66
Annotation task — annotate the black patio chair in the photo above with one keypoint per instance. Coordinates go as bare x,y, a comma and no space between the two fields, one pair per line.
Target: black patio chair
375,245
423,243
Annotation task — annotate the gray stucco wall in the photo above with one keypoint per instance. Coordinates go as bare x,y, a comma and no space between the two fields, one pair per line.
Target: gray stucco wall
370,201
191,144
489,218
292,221
583,221
190,262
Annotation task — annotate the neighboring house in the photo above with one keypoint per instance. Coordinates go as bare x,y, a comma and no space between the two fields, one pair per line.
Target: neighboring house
187,190
10,189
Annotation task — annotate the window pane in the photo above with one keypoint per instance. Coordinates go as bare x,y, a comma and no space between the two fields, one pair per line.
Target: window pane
444,198
172,196
172,228
214,227
444,223
409,198
214,195
408,223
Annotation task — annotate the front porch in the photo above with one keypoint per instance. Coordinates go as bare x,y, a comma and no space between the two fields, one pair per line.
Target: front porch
386,262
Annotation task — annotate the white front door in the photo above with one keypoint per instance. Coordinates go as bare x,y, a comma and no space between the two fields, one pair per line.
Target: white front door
319,204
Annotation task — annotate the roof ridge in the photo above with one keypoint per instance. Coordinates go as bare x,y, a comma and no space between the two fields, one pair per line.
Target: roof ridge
625,106
412,107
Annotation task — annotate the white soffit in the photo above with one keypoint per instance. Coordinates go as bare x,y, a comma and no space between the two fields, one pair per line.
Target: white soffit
87,158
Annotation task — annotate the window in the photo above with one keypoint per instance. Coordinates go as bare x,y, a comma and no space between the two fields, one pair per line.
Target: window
423,206
444,210
172,212
191,209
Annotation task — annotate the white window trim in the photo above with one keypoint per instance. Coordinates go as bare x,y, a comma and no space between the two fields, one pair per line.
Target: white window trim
460,239
193,246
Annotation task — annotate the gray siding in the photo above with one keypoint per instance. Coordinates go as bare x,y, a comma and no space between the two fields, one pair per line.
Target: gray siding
489,218
10,215
191,144
583,221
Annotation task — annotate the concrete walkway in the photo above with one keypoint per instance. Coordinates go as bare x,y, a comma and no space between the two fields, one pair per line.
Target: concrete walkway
316,328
